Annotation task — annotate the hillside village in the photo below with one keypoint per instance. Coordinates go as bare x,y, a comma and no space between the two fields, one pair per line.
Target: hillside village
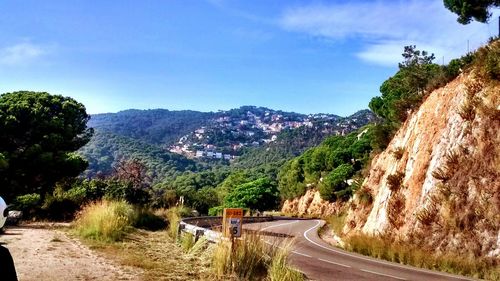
230,132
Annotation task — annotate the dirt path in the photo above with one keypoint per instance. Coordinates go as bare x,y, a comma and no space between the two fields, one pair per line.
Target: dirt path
41,252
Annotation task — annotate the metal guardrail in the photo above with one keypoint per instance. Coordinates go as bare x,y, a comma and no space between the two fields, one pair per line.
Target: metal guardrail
210,226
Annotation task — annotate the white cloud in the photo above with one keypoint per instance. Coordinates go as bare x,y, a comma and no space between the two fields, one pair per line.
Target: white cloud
383,27
20,54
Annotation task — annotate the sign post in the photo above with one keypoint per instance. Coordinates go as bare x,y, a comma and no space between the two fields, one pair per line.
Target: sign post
232,222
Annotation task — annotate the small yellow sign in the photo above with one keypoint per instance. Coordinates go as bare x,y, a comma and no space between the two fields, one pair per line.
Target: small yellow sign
232,222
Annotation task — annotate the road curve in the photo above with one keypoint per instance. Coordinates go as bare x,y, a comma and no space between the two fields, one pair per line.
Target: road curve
320,261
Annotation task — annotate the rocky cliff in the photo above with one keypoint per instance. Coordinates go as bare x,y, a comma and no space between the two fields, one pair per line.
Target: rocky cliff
311,204
438,181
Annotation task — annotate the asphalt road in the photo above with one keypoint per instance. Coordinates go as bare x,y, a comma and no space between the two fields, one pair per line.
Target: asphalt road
320,261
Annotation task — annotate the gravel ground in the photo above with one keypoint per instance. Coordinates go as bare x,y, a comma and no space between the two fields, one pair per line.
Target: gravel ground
42,252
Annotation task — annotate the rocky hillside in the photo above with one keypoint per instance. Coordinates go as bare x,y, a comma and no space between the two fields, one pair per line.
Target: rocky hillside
437,183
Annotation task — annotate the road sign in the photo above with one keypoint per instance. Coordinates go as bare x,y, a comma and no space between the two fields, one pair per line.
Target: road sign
232,222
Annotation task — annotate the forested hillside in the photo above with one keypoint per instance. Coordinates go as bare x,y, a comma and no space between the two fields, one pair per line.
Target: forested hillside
156,126
291,143
106,149
264,138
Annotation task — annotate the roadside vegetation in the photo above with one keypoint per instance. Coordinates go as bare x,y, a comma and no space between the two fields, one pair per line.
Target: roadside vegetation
252,259
113,228
406,252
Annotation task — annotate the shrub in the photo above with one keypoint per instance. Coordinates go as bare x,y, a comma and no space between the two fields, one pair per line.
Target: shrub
336,222
105,220
27,203
395,209
186,241
365,196
467,111
146,219
441,174
427,215
395,181
398,152
493,63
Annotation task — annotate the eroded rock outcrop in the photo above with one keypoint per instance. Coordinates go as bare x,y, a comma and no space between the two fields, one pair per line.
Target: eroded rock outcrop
438,181
311,204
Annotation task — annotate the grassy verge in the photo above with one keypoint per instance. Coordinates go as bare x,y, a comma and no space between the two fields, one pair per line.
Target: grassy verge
405,253
110,228
157,255
252,259
105,220
336,223
164,255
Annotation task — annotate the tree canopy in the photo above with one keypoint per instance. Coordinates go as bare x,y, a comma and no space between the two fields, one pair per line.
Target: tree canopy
471,9
260,194
40,134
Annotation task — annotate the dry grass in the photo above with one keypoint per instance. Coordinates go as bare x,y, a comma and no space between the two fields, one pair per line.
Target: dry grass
280,270
336,223
105,220
158,256
364,196
252,259
411,254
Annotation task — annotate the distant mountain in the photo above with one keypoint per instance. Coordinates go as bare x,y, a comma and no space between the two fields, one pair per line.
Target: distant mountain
165,140
155,126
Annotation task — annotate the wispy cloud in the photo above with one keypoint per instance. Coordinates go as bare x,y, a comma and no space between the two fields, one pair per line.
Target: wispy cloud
384,27
21,54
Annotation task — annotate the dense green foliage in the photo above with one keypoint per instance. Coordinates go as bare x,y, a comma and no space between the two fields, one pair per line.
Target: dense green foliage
107,149
40,133
405,91
331,164
334,185
291,143
260,194
471,9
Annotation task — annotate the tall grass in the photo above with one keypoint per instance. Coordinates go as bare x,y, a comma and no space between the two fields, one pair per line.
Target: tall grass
406,253
336,222
280,270
104,220
252,259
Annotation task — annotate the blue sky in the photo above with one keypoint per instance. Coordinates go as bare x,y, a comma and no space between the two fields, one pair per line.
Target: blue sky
303,56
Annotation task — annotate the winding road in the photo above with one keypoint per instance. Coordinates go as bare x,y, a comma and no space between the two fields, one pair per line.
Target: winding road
320,261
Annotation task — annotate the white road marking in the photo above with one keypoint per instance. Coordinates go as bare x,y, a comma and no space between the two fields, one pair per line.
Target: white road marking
336,263
377,261
381,274
299,253
272,226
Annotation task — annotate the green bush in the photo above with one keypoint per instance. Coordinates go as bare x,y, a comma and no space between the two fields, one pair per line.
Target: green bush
29,204
493,63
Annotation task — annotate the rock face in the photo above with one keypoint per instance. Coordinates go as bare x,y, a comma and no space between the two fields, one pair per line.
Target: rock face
438,181
311,204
